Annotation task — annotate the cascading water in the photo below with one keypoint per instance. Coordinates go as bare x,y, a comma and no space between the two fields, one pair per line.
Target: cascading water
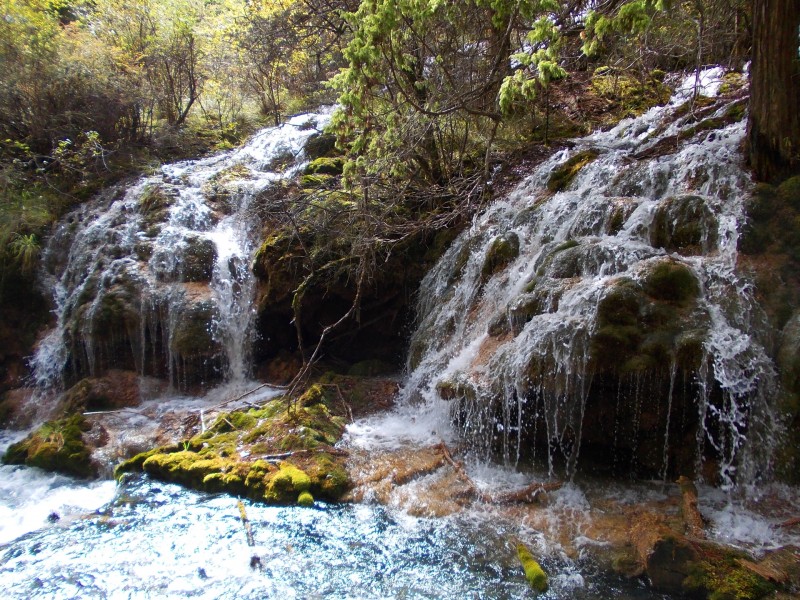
598,305
156,276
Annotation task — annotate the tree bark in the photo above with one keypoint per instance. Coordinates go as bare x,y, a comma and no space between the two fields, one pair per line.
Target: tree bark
774,125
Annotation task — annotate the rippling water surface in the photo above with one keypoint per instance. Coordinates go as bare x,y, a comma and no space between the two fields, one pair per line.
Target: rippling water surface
156,540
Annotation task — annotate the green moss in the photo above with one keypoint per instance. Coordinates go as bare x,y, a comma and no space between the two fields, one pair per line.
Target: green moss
154,204
316,181
284,485
192,335
725,579
197,260
534,573
227,456
672,282
371,368
305,499
503,250
55,446
325,166
563,174
789,192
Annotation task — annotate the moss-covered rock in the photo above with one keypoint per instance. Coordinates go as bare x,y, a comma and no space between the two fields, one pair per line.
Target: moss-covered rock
273,454
55,446
325,166
684,224
154,204
563,174
197,260
671,281
721,575
115,389
649,324
193,334
319,145
503,250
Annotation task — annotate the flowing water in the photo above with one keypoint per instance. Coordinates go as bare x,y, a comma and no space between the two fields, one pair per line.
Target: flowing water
518,348
170,255
156,276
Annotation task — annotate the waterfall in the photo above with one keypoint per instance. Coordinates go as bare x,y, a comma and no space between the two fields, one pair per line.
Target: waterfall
597,311
155,276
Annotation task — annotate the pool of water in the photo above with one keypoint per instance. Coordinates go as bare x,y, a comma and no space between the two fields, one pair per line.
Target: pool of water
160,540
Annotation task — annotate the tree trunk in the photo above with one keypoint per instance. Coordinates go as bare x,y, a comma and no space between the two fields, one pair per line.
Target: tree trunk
774,126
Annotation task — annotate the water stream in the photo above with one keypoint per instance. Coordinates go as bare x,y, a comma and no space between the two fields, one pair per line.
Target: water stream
158,273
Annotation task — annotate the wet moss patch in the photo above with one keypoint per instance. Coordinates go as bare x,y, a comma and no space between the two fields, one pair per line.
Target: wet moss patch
281,453
55,446
646,324
564,173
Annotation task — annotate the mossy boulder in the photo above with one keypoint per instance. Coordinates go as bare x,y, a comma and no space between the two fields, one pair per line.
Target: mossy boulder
197,260
325,166
220,189
274,454
154,204
650,323
684,224
116,389
193,333
319,145
503,250
721,574
55,446
671,281
565,173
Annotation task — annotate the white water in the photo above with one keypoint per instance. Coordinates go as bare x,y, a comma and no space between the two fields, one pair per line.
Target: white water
28,496
157,277
536,377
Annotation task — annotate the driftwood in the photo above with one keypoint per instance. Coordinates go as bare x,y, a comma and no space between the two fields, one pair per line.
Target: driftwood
246,523
790,522
529,494
695,524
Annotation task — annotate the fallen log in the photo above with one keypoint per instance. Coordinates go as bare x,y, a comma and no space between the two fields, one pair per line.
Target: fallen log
694,521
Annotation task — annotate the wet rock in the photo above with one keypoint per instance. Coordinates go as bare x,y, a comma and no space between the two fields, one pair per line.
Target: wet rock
220,189
55,446
196,352
563,174
684,224
319,145
282,453
154,204
502,251
14,408
116,389
199,256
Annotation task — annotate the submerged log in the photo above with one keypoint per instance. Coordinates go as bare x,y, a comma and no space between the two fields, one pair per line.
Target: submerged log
695,523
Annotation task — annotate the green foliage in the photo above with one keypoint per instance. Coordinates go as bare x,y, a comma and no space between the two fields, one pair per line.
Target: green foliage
724,578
